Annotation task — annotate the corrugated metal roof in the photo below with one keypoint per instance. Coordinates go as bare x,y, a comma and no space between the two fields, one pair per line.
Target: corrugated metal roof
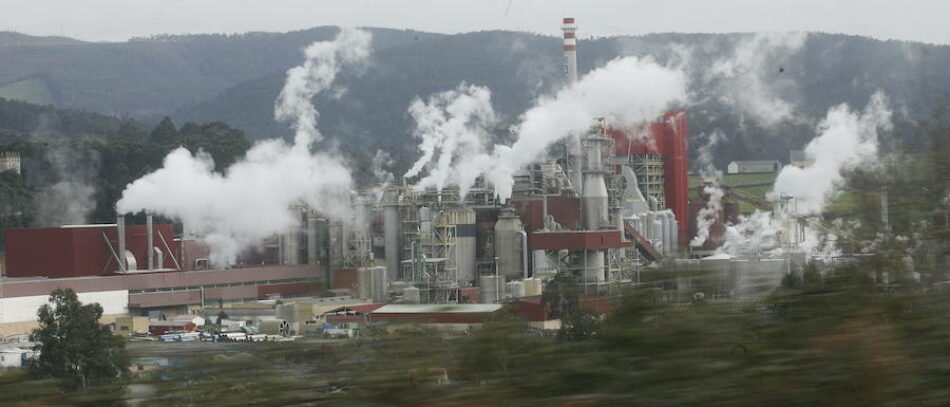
437,308
756,162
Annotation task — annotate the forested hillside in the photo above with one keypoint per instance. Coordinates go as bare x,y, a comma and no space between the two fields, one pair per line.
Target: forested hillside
235,79
76,164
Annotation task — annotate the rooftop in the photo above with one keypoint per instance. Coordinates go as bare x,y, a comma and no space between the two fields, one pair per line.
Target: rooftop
437,308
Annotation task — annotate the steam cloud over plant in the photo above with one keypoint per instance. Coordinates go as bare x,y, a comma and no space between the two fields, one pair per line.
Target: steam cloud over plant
626,91
249,201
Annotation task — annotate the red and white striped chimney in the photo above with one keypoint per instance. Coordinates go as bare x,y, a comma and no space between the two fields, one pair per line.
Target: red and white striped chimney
570,49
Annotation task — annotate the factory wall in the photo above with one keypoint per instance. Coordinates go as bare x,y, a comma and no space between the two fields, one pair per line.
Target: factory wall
76,251
18,314
677,167
565,210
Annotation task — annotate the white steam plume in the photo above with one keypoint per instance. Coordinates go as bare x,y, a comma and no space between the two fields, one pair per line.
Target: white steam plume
846,139
250,200
452,125
753,78
323,62
712,177
625,91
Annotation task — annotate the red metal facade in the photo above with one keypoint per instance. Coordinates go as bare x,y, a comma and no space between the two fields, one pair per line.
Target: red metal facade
345,279
677,167
578,240
530,308
435,317
77,251
565,210
669,138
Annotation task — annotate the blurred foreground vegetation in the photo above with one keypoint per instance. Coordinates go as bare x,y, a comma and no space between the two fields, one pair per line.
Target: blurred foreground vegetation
840,337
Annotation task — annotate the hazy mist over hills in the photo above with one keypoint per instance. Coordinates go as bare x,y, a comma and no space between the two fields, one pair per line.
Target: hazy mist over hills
236,78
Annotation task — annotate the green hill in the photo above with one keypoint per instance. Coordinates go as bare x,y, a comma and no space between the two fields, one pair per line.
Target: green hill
235,78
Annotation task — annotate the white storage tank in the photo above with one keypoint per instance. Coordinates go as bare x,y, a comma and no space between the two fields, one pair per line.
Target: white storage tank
515,289
508,244
464,220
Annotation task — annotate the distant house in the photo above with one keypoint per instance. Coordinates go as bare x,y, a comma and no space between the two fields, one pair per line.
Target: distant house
10,161
14,357
752,167
798,159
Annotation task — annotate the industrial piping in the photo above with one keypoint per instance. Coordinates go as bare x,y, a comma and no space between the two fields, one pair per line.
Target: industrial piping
524,252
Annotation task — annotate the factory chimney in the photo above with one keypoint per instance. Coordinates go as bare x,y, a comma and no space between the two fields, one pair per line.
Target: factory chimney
120,229
149,231
570,49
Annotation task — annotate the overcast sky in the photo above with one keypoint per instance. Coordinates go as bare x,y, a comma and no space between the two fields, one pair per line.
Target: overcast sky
118,20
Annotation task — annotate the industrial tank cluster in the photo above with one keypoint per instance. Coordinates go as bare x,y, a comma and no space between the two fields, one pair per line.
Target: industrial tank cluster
582,211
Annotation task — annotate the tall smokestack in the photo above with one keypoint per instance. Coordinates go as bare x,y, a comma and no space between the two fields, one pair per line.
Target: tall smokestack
570,49
150,242
120,229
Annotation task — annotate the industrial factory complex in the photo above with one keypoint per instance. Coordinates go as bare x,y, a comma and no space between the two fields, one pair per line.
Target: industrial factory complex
603,207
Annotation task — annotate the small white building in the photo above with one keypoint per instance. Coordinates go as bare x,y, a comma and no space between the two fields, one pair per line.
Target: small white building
752,167
9,161
14,357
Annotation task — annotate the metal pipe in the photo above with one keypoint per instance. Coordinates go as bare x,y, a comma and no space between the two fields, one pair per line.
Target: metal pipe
172,255
149,231
524,252
120,229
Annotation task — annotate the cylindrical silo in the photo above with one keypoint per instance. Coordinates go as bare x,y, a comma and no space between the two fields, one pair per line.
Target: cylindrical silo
425,223
391,239
594,264
290,246
312,253
336,243
464,220
508,244
542,264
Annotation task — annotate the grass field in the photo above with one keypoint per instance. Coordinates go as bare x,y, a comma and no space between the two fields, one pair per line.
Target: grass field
29,90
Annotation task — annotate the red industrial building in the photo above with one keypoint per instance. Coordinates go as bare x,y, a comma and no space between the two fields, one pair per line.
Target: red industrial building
80,250
83,258
668,139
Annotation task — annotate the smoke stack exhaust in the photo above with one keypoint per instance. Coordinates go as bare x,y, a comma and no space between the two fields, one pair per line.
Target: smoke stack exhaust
120,228
570,49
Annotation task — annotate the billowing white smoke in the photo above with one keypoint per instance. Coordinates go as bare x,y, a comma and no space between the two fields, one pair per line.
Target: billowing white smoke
846,139
251,199
625,91
757,233
750,80
712,178
319,70
452,125
382,160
